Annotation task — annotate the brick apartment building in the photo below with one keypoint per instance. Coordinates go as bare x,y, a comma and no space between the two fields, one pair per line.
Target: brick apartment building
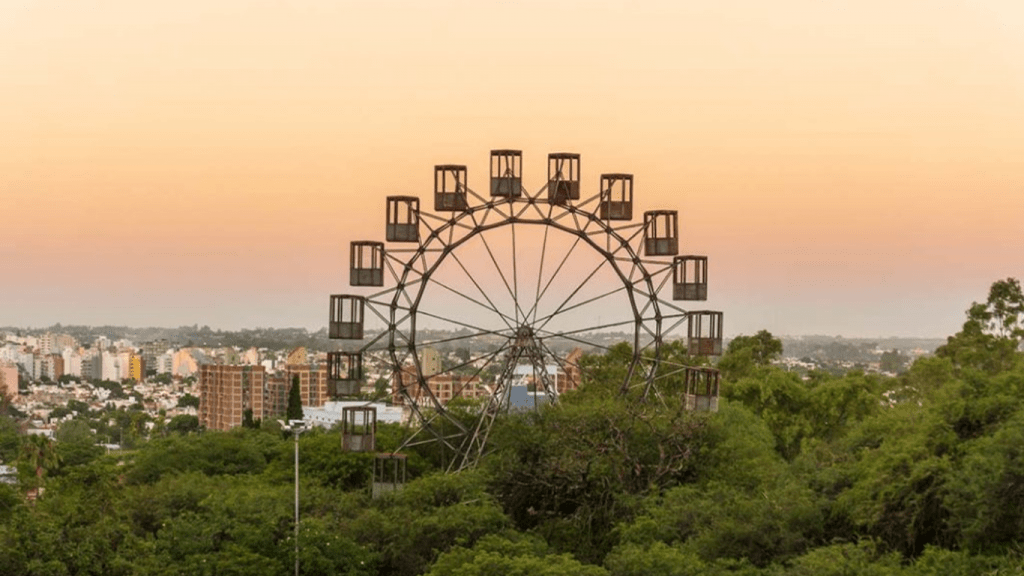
444,387
227,391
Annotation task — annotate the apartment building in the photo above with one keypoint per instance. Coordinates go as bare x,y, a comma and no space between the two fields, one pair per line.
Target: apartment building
227,391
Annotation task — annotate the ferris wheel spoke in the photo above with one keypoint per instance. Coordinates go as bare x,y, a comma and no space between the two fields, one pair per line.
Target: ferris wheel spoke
586,302
417,395
666,277
569,298
674,369
462,324
379,294
554,275
431,216
681,318
412,442
483,293
471,192
368,346
390,260
375,307
540,277
489,360
584,203
567,333
515,275
561,361
458,338
395,327
487,307
570,337
426,420
501,274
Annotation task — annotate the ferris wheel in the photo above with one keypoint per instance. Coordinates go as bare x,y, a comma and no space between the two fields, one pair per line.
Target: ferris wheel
499,298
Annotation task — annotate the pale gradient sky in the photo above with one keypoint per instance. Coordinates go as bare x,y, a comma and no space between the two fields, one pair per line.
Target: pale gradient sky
850,167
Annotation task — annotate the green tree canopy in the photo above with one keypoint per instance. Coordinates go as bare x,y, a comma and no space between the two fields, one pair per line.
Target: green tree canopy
187,400
993,332
745,353
295,400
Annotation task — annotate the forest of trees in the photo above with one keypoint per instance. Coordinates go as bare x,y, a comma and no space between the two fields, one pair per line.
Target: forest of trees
826,475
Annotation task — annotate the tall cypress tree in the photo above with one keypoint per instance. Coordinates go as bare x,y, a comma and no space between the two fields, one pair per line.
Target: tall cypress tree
295,400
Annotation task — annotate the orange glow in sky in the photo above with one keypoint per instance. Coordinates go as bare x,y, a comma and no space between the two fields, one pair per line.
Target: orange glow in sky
852,167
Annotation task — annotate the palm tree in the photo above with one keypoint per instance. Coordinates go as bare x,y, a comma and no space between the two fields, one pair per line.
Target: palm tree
39,454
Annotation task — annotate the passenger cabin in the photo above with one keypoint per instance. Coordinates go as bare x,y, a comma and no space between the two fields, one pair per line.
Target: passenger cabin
389,473
344,373
661,233
450,191
704,333
563,177
616,197
690,278
346,320
366,264
359,428
702,389
507,173
403,224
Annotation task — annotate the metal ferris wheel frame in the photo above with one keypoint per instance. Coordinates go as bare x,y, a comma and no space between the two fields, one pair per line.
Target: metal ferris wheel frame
600,226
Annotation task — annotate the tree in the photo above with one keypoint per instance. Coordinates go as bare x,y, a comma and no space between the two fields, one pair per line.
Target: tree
431,515
75,432
892,361
247,420
188,400
763,347
572,471
779,398
1003,312
380,388
76,443
78,406
514,555
746,353
993,332
38,456
8,439
183,424
295,400
164,378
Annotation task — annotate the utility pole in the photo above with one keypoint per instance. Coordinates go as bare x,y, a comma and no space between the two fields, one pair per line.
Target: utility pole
296,427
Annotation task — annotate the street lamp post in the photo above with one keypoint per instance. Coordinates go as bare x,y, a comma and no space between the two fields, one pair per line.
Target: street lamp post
296,427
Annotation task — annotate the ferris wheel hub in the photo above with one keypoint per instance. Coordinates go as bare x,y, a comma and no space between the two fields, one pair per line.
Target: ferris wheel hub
525,338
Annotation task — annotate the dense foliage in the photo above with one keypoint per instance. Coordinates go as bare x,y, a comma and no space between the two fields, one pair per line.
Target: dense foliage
921,474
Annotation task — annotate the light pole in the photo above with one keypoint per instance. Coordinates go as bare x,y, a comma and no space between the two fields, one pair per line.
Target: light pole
296,427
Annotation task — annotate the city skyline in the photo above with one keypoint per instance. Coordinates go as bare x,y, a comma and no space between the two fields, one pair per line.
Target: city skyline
854,168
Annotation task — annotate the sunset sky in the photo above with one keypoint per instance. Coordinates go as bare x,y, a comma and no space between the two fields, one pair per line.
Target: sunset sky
850,167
